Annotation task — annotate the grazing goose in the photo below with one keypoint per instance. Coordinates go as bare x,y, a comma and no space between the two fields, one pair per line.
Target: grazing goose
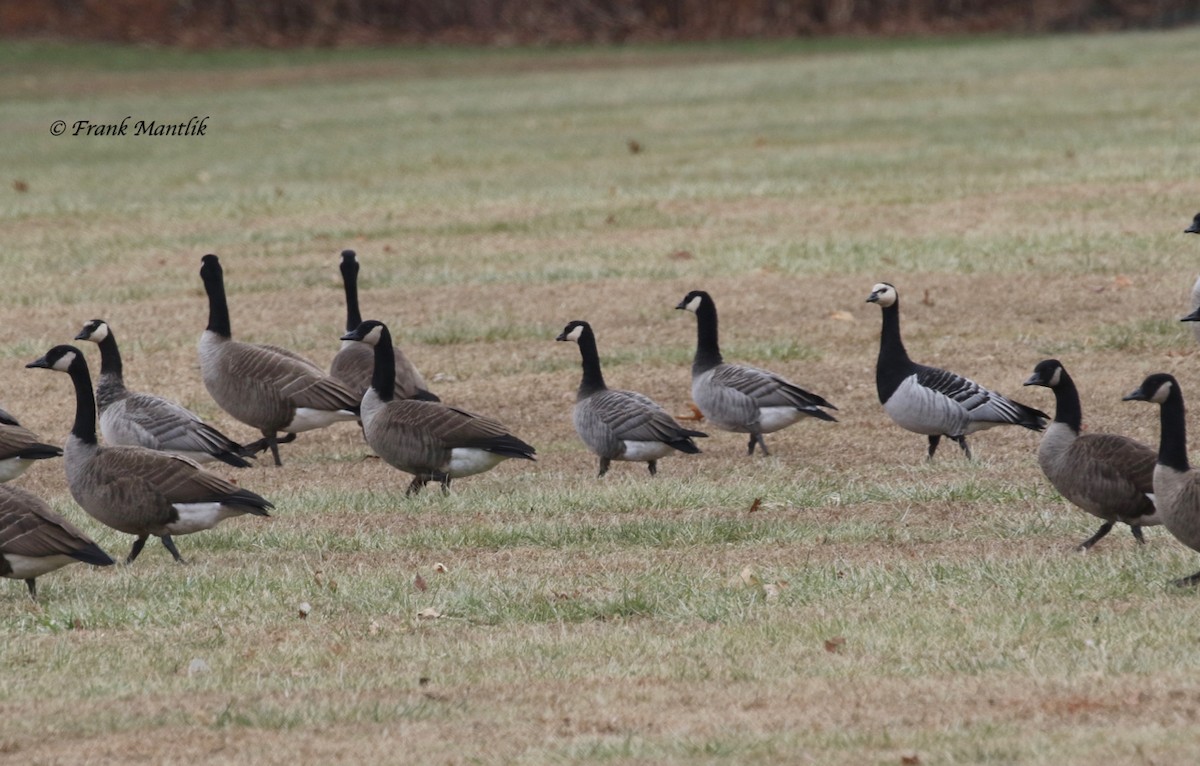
135,490
354,362
1176,485
266,387
739,398
430,440
35,540
621,425
934,402
144,420
1109,476
19,447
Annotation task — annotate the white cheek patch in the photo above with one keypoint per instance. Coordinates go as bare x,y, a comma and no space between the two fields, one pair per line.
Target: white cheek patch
64,362
693,305
885,295
99,334
1161,393
372,337
574,334
1056,378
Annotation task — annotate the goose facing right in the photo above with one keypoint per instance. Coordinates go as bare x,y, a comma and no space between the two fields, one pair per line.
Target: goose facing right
35,540
135,490
145,420
430,440
20,447
935,402
1176,483
616,424
1107,475
353,364
740,398
266,387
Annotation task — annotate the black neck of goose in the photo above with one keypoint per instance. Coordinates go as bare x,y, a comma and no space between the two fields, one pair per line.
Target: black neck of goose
383,377
593,378
110,357
84,427
218,308
708,349
1172,445
350,282
893,365
1066,402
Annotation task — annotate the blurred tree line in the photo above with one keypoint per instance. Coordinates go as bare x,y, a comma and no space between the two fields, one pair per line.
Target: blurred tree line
202,23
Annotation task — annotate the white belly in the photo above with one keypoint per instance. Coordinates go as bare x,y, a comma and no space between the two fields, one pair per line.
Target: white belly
307,419
25,567
466,461
194,517
644,452
772,419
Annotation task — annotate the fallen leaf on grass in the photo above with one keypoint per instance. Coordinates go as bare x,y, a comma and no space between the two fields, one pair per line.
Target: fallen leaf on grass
440,568
842,316
20,186
835,644
694,413
755,505
750,578
304,608
420,584
428,614
910,760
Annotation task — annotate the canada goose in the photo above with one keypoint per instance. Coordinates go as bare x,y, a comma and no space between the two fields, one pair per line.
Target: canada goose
354,362
934,402
1195,315
1109,476
737,397
135,490
430,440
145,420
35,540
19,447
266,387
1176,485
621,425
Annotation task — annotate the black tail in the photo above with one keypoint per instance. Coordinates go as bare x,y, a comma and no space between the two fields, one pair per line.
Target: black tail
93,554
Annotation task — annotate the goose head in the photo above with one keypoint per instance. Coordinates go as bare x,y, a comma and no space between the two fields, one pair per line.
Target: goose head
369,332
96,330
1048,373
574,330
884,294
1156,389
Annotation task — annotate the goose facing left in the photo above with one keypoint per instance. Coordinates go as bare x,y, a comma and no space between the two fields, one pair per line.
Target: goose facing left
1176,483
935,402
266,387
1108,475
20,447
135,490
737,397
621,425
35,540
135,419
430,440
1194,316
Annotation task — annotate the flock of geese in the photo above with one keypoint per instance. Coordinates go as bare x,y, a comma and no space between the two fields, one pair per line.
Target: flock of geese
147,478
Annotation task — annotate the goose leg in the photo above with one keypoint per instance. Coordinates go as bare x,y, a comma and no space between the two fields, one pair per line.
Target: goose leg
273,445
138,544
253,448
758,439
1105,528
962,442
653,466
604,464
933,445
416,485
32,583
445,482
1187,582
169,544
1136,529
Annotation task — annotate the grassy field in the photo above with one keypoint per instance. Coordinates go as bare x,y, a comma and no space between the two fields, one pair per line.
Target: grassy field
841,602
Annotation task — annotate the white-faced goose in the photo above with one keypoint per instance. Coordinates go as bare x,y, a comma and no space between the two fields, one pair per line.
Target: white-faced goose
265,387
616,424
1176,484
1194,316
135,490
739,398
430,440
35,540
20,447
135,419
934,402
1107,475
355,361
